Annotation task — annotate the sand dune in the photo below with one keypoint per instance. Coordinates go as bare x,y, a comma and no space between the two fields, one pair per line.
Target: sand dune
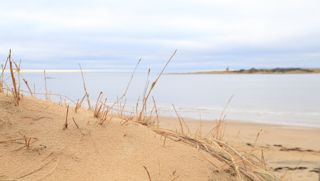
111,152
34,146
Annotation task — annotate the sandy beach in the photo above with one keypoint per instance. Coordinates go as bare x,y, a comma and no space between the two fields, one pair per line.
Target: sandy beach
293,152
35,145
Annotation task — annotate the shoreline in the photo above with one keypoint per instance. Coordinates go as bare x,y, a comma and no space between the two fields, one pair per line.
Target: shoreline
244,122
287,135
249,121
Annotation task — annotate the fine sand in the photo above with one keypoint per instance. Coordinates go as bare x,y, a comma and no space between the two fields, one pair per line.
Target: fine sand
35,146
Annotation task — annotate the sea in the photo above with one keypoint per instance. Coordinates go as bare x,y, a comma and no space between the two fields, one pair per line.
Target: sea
283,99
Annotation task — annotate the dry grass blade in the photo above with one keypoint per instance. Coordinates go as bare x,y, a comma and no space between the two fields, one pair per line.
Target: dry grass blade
156,111
66,121
45,85
27,140
30,91
3,67
1,81
145,99
175,178
179,118
146,85
14,84
263,161
235,166
130,80
217,131
160,74
137,105
36,170
98,107
146,169
181,122
163,69
143,109
75,123
223,113
10,140
119,101
18,69
79,103
122,107
85,87
76,107
257,137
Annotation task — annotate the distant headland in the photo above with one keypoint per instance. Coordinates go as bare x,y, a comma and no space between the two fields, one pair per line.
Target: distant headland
263,71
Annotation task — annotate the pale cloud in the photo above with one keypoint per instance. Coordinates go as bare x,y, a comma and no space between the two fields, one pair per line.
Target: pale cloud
208,33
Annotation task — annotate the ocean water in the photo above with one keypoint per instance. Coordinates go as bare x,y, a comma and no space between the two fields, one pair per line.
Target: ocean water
275,99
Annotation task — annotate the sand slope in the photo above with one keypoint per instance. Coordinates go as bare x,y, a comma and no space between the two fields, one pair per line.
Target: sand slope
93,152
34,146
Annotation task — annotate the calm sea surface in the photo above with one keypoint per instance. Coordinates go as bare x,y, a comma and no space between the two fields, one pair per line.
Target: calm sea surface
276,99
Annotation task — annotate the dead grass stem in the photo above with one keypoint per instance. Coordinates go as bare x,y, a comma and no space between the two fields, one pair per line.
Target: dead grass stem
85,87
257,137
156,111
75,123
65,126
97,108
218,130
36,170
79,103
3,68
15,92
181,121
130,80
27,140
146,169
45,85
30,91
18,69
149,89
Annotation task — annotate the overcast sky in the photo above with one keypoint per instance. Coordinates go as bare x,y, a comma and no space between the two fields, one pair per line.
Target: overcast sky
209,34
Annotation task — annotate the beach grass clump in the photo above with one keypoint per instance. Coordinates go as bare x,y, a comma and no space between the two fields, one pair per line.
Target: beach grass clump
149,88
240,165
97,108
184,129
14,69
3,68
